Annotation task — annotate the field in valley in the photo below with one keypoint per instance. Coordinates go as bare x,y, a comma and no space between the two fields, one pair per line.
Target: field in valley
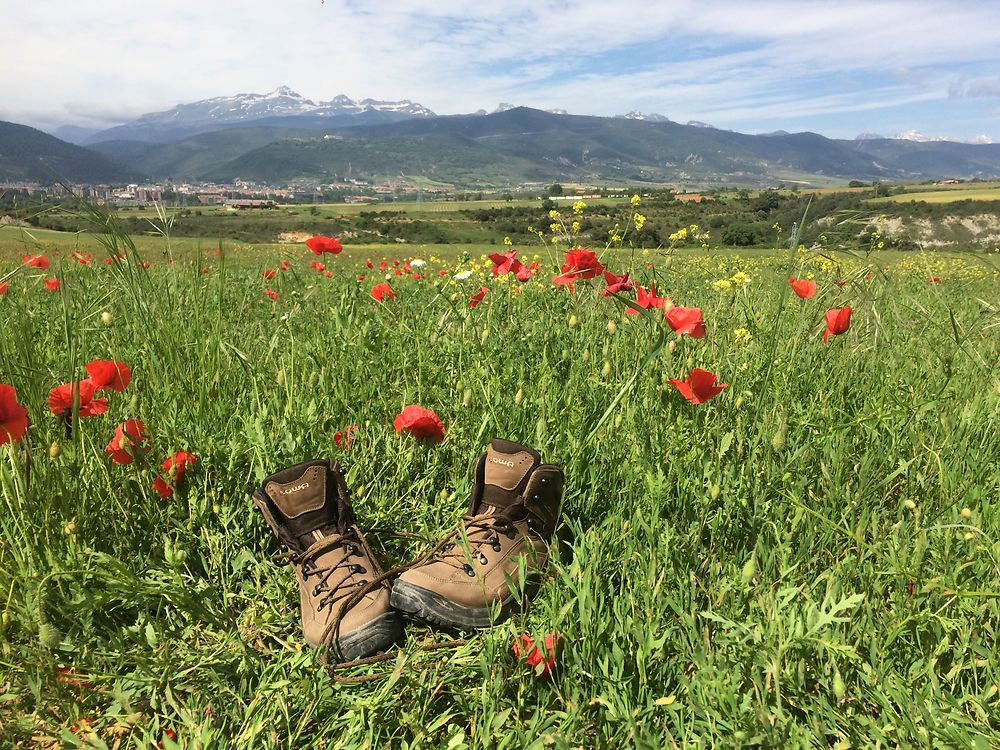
809,558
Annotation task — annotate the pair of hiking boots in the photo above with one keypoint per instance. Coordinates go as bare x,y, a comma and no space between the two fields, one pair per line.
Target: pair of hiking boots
473,578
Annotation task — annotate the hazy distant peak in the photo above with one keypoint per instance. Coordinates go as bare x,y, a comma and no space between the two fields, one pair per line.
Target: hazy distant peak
504,106
700,124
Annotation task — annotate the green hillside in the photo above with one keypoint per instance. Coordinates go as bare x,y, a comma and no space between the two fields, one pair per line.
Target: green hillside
27,154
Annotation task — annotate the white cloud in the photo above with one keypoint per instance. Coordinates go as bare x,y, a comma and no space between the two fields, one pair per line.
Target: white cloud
106,60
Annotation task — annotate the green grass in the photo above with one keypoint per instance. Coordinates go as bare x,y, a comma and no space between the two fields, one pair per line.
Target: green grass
810,559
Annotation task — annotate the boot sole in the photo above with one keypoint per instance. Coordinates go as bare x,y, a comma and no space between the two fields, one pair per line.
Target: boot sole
376,636
437,610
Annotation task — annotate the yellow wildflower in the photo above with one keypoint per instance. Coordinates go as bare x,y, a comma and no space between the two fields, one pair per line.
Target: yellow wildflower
635,199
578,207
639,220
722,285
553,214
740,278
742,336
507,241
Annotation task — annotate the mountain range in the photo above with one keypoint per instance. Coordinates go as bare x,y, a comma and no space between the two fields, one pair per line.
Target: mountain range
281,137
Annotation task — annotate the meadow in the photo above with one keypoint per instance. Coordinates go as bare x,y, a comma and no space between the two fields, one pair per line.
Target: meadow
811,558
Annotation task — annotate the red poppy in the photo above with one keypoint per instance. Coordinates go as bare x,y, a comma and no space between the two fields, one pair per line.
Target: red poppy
320,267
4,286
838,320
36,261
686,320
130,439
505,263
616,284
321,244
395,263
146,264
804,288
13,416
934,279
382,292
382,265
170,733
269,273
284,265
399,271
106,373
524,273
345,438
476,298
369,264
62,398
581,263
175,467
68,677
542,661
442,272
83,258
422,423
646,300
272,294
361,277
699,386
52,285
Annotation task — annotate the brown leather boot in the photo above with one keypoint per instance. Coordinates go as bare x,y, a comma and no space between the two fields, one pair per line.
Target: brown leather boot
512,514
308,508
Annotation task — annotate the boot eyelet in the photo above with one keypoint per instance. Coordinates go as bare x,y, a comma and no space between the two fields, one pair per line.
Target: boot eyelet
469,571
483,560
496,545
358,569
362,582
316,590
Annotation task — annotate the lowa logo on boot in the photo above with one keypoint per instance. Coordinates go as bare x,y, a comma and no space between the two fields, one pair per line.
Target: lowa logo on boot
502,462
296,488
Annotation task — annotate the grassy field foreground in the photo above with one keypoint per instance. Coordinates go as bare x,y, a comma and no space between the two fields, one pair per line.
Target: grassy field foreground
811,558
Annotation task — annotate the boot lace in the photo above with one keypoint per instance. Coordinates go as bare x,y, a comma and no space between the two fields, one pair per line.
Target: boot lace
326,579
479,531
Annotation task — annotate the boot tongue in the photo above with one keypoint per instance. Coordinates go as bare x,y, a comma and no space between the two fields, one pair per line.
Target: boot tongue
308,504
506,468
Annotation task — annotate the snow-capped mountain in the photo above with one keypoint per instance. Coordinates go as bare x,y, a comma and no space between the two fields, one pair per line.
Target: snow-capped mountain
648,117
917,137
282,102
283,105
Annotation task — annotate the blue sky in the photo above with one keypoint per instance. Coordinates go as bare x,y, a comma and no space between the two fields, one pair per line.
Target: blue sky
835,68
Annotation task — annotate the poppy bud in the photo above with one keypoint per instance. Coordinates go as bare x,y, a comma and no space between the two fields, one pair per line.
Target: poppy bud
572,321
585,357
541,428
467,397
69,528
619,418
715,492
966,513
909,505
778,441
49,635
739,402
671,346
839,688
606,370
485,336
612,327
519,396
968,536
107,319
55,450
749,569
606,351
4,621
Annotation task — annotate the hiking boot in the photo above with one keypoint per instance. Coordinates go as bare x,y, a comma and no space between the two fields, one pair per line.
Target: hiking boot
512,514
308,508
